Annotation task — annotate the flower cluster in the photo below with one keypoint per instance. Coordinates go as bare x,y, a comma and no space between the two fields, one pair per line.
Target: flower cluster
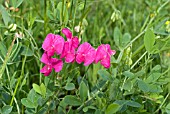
71,51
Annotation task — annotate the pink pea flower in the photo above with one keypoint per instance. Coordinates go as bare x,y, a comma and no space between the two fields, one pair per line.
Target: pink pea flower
85,53
69,46
53,43
50,63
103,55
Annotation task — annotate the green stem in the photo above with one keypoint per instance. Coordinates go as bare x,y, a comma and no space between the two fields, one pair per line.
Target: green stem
163,5
123,83
165,71
120,56
62,13
138,36
162,103
138,60
70,17
19,80
45,16
6,58
74,16
145,23
138,50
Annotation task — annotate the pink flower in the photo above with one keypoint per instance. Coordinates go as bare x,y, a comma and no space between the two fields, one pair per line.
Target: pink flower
53,43
50,63
103,55
85,53
69,46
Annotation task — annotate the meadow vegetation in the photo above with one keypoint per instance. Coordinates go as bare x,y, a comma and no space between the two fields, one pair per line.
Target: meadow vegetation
137,81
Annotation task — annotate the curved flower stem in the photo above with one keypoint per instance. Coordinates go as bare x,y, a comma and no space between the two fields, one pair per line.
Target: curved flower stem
162,103
138,60
138,36
120,56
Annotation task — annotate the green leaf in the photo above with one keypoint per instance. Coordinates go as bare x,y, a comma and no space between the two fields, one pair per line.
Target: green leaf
125,39
128,85
83,91
5,16
128,103
6,109
143,86
117,36
85,109
112,108
149,40
133,104
3,49
157,68
153,77
167,108
26,102
19,2
16,3
33,97
104,74
43,89
140,73
155,88
40,89
70,86
26,51
16,51
43,110
72,100
37,88
63,17
59,7
128,74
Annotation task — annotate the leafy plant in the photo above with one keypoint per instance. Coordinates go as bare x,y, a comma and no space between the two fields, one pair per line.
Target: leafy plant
137,79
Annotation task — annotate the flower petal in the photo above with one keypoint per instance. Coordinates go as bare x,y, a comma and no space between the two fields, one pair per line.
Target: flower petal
90,56
46,70
57,64
67,33
48,41
100,53
75,42
79,58
51,52
106,62
58,44
65,50
111,52
83,48
45,58
69,57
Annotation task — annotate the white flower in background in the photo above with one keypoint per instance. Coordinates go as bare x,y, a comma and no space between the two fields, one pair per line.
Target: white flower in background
77,28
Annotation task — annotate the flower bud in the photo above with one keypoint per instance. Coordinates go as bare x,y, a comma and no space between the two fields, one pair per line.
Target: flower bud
12,27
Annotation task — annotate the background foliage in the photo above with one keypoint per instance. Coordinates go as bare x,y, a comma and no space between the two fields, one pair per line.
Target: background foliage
137,82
